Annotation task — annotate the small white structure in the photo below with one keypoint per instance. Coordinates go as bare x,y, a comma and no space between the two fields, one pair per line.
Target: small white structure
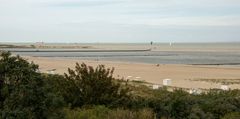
167,82
129,77
155,87
137,79
38,71
51,71
195,91
191,91
224,87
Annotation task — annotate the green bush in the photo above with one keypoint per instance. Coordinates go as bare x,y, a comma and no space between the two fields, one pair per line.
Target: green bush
23,94
128,114
101,112
88,86
233,115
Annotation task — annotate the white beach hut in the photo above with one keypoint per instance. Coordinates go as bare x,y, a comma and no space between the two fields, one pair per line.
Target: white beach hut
51,71
224,87
195,91
155,87
137,79
167,82
128,77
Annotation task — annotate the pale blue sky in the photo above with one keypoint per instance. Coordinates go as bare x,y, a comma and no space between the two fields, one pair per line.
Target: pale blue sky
119,20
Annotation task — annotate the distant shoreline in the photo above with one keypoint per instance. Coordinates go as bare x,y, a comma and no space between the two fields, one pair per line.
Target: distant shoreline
219,64
37,50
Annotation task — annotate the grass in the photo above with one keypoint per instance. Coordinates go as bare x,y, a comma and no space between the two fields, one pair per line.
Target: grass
101,112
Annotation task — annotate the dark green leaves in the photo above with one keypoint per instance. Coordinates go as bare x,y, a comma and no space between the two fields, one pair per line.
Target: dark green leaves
89,86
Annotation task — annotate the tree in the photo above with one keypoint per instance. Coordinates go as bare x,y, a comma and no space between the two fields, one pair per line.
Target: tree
88,86
22,89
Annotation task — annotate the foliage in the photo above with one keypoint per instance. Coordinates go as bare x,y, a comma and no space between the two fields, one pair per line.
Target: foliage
181,105
232,115
23,94
101,112
89,86
26,93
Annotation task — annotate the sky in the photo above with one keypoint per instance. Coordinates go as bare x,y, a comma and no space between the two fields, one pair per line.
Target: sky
96,21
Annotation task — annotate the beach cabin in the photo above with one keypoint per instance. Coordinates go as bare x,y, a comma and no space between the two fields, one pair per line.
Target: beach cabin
52,71
137,79
129,77
155,87
195,91
167,82
224,87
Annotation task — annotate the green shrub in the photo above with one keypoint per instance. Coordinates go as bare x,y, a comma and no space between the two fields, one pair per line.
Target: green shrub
88,86
128,114
101,112
23,94
233,115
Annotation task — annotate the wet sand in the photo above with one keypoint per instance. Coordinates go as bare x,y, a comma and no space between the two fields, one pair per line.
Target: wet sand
180,74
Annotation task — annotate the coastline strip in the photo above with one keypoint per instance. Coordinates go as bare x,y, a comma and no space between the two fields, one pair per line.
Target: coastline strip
37,50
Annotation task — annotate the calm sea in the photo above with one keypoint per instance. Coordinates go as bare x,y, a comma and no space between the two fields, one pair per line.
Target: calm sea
163,53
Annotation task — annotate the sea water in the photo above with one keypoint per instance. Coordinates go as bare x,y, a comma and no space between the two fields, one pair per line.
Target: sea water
162,53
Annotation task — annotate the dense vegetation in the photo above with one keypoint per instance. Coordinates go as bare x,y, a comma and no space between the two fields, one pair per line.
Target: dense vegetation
93,93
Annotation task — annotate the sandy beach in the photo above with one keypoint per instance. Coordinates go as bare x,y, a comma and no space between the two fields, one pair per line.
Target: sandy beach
181,75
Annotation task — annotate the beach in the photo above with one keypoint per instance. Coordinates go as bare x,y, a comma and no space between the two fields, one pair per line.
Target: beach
182,76
187,65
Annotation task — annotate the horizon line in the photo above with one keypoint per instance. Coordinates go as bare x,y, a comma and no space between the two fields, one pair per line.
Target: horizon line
3,42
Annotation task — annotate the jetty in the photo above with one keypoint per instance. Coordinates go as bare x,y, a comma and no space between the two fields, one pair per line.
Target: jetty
72,50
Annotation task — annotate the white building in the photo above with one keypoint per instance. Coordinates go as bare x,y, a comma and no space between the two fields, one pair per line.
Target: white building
155,87
195,91
167,82
51,71
224,87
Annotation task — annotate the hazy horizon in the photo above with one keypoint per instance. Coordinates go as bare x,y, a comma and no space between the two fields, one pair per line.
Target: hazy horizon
118,21
217,42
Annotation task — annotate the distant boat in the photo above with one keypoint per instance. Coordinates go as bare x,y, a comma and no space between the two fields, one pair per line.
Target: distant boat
170,44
